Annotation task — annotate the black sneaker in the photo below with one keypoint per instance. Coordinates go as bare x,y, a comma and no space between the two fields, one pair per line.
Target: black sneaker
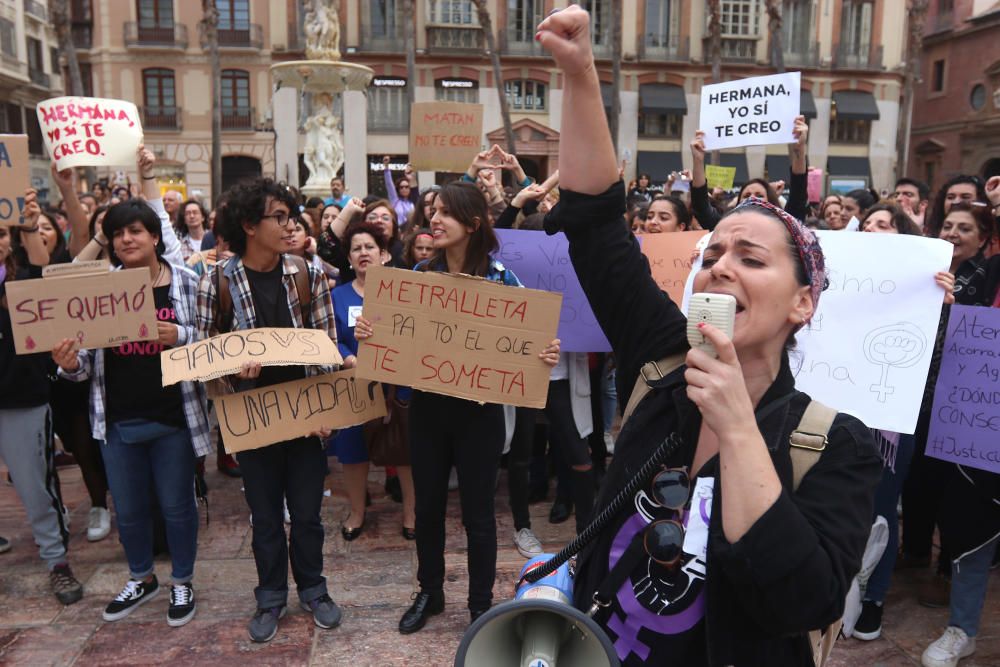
182,605
64,585
134,594
869,625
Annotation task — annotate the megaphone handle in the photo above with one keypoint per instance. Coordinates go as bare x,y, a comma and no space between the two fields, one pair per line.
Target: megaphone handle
665,450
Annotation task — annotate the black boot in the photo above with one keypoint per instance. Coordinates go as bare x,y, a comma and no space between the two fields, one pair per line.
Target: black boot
424,605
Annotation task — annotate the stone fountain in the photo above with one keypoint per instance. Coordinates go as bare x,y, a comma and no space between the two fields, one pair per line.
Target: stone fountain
322,76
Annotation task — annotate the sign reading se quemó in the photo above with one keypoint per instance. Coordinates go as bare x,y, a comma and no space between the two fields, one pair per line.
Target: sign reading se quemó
750,112
458,336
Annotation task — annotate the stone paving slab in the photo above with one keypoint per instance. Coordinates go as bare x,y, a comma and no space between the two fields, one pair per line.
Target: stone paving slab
371,578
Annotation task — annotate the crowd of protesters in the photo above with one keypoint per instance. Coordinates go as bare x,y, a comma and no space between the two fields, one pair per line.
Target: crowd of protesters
263,255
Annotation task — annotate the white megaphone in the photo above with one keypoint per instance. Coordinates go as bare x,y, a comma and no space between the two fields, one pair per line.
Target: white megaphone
540,627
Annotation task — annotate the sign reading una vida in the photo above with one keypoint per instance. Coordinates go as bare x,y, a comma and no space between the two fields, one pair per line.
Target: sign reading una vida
279,412
14,172
868,348
226,353
458,335
445,136
542,262
965,421
99,310
750,112
90,131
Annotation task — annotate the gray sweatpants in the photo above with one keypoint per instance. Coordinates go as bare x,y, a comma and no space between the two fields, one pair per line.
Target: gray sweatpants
27,449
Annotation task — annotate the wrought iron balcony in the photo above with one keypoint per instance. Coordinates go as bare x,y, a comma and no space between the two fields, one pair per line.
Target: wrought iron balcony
239,118
448,38
853,56
664,48
161,118
250,36
392,123
164,37
807,57
82,35
381,38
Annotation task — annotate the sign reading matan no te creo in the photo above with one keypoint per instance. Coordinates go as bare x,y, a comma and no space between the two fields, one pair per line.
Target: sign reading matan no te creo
458,336
445,136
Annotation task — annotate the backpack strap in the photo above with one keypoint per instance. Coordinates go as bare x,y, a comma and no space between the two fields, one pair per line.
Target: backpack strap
650,372
224,301
302,287
809,439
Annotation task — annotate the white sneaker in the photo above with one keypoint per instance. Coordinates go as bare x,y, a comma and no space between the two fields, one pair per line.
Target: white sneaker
951,647
98,524
288,517
609,442
527,544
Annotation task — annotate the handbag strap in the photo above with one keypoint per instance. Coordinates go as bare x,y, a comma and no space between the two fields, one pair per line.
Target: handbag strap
617,575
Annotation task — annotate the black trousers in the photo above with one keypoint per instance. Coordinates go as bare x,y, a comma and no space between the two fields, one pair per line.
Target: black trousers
446,431
922,498
519,466
292,470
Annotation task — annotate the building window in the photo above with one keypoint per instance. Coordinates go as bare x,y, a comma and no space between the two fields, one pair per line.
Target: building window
856,28
35,55
662,18
937,76
977,98
234,14
600,20
388,109
796,26
236,111
740,18
457,90
34,131
525,95
660,125
454,12
10,118
159,98
850,131
929,169
53,60
156,14
384,19
8,38
523,16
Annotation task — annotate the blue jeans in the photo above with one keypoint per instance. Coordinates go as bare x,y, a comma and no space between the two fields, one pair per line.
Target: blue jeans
969,578
886,499
140,455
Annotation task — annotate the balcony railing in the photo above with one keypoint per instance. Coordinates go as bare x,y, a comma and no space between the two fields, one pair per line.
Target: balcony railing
168,37
36,9
82,35
39,77
858,57
808,57
238,118
250,36
385,39
739,49
161,118
664,48
446,38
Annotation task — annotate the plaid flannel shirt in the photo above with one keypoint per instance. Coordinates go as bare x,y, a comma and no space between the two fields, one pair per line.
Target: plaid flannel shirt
183,294
245,315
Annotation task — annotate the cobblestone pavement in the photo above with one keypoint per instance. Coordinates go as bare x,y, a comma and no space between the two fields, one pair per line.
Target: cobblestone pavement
371,578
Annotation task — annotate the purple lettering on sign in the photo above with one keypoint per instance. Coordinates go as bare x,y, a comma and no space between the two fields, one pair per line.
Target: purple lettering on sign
965,421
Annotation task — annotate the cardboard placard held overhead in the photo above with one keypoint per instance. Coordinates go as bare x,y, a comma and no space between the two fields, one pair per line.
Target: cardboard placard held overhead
965,420
719,177
226,353
279,412
14,180
669,258
750,112
445,136
459,336
90,131
102,309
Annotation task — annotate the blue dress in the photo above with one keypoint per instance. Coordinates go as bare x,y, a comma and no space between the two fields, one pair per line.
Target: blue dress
349,443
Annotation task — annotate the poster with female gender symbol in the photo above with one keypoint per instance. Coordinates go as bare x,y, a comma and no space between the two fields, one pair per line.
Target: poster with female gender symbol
868,349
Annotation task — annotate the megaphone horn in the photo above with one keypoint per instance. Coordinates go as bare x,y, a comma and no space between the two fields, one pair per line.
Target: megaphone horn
540,627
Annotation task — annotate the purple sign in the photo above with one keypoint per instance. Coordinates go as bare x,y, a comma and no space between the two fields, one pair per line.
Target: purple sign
542,262
965,423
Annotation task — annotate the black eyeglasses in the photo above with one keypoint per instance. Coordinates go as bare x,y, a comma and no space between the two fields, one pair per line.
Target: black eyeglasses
664,539
280,217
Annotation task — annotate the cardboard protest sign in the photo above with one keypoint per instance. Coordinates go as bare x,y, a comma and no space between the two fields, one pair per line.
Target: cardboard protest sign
814,184
279,412
542,262
458,335
14,177
669,258
103,309
868,348
226,353
720,177
445,136
965,420
750,112
90,131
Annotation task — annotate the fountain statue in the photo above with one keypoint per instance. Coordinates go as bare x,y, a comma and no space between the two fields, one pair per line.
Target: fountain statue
322,76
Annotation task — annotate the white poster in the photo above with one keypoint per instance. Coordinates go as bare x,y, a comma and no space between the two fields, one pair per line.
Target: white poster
90,131
868,349
750,112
